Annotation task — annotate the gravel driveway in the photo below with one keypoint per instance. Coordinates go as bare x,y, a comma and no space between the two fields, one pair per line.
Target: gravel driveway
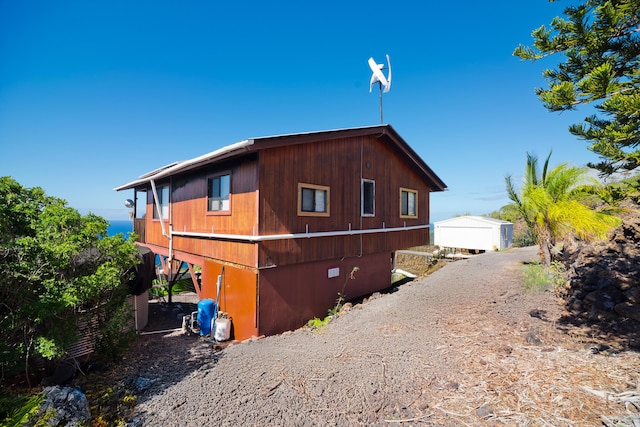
429,353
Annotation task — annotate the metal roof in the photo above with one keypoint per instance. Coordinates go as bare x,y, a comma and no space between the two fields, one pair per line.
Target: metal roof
185,165
256,144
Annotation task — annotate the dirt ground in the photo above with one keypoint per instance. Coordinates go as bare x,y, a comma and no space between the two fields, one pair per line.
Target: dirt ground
464,346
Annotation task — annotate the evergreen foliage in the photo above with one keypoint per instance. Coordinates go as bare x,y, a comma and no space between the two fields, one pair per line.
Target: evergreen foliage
600,41
54,264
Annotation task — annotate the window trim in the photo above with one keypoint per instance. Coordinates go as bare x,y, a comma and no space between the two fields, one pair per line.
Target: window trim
415,193
314,187
211,178
154,211
362,194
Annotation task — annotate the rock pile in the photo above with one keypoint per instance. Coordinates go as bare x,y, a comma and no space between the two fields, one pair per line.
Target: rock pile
64,406
603,292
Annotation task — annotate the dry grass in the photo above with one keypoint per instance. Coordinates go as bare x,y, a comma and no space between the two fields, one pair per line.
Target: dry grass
546,386
502,379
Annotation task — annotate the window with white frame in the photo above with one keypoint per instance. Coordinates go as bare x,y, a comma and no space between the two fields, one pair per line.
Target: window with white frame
313,200
368,205
163,201
219,190
408,203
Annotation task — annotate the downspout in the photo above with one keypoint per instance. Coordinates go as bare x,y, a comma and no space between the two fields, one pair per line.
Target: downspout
156,203
169,236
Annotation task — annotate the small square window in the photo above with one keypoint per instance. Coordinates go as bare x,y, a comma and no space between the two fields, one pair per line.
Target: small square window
219,190
313,200
408,203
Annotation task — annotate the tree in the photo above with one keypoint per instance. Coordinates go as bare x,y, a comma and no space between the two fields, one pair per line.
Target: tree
600,40
54,263
549,203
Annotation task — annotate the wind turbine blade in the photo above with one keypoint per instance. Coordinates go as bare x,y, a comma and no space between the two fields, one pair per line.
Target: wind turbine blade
374,79
377,75
387,87
373,65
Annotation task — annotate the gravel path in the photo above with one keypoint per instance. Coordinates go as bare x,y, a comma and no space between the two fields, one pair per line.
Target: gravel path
393,359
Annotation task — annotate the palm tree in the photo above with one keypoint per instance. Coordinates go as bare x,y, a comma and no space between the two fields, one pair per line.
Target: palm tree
550,205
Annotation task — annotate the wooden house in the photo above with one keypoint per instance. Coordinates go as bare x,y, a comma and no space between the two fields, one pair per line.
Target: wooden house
289,221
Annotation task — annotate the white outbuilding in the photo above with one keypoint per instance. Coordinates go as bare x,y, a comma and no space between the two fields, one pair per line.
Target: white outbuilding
473,233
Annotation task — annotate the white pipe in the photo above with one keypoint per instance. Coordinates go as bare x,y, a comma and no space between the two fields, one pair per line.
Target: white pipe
164,232
170,248
156,203
249,238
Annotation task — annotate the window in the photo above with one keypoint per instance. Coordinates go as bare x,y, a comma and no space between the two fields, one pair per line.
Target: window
140,209
163,201
313,200
408,203
219,189
368,197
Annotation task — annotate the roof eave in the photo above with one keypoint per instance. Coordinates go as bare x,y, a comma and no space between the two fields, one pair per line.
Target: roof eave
187,165
254,144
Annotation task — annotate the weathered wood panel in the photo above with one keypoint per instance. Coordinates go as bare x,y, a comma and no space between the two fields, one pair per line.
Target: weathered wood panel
139,227
189,201
292,295
340,165
188,212
333,163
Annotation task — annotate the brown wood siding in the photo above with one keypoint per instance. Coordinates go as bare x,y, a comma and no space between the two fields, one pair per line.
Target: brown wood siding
139,225
292,295
189,213
339,164
189,201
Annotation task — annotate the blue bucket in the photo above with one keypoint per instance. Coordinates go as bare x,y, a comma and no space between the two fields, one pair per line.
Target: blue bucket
205,315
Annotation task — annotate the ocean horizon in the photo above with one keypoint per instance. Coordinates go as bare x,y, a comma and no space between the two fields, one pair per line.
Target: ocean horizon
119,226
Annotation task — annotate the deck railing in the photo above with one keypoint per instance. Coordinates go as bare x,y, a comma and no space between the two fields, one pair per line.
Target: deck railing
139,225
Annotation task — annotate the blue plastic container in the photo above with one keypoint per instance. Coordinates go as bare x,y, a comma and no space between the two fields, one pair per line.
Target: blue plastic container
205,315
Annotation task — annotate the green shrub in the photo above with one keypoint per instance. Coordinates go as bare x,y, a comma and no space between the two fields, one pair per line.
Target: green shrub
538,278
54,264
16,410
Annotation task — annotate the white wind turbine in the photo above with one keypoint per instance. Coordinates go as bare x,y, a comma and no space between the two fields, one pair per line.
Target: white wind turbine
378,76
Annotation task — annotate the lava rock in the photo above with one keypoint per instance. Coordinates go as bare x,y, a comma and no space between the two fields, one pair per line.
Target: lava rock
65,406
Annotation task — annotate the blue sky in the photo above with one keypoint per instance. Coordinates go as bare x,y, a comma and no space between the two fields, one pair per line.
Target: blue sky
95,93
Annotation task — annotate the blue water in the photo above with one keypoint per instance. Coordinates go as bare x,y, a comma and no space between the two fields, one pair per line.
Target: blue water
116,227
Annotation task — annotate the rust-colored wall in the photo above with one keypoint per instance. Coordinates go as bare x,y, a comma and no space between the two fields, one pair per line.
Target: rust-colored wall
238,296
292,295
189,200
338,164
264,189
189,213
